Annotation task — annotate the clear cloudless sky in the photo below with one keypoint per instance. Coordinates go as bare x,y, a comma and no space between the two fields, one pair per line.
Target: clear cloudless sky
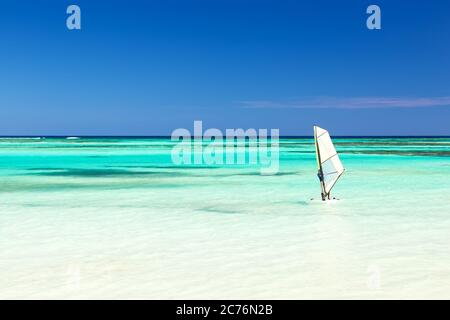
149,67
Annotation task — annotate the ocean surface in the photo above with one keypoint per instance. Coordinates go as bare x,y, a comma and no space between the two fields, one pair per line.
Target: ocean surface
116,218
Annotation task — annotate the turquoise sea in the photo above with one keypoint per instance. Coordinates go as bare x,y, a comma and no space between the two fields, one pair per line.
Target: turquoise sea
115,218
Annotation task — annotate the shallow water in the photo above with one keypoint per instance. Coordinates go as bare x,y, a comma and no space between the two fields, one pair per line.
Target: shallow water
115,218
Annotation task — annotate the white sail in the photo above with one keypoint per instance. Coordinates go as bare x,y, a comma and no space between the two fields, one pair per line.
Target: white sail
327,159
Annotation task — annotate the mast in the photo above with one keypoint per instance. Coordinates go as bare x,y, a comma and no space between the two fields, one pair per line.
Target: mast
319,165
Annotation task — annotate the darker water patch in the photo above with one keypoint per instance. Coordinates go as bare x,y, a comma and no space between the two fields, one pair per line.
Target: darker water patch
259,174
401,153
92,187
94,173
299,151
420,153
389,143
165,167
217,210
45,169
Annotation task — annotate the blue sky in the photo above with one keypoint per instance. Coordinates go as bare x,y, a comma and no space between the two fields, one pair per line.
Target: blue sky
149,67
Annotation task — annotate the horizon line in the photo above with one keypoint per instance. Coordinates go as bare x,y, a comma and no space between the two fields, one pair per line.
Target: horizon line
168,136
